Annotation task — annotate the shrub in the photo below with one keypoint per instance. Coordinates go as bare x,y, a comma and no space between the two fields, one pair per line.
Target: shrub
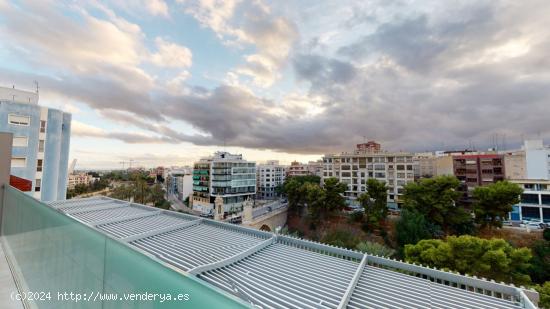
374,248
341,238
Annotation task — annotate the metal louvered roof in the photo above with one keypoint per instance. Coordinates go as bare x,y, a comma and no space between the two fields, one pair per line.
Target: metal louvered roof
276,271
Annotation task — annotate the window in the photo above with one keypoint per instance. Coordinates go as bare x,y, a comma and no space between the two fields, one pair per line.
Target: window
41,145
20,141
37,185
19,120
42,126
18,162
39,165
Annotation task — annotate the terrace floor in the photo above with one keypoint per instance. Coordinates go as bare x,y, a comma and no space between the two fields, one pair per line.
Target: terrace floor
7,285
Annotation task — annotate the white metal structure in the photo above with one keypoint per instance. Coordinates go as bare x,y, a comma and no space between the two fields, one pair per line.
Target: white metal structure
276,271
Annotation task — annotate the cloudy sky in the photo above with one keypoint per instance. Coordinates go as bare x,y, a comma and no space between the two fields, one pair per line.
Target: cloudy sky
165,82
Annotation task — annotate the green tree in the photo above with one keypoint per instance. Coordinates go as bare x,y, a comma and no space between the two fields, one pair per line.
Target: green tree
544,294
494,259
540,265
412,227
157,194
315,198
437,200
295,195
374,201
334,190
493,202
374,248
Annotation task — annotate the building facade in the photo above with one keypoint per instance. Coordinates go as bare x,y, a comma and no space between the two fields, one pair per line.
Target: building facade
355,168
80,179
479,169
515,165
179,182
426,165
537,159
268,177
302,169
534,202
41,138
225,175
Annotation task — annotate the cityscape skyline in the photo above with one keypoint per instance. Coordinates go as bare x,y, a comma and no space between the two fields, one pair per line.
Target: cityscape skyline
296,81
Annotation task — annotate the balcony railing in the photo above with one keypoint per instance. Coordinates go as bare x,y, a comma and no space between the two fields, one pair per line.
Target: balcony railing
50,252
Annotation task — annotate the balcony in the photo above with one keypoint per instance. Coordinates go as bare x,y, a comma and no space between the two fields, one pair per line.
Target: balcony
51,252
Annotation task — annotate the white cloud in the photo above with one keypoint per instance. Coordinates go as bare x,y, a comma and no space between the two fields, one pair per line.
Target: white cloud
157,7
272,35
171,54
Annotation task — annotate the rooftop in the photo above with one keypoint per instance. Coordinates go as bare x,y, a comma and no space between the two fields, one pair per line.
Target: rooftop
276,271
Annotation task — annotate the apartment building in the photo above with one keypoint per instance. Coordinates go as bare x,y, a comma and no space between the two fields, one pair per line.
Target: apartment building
41,138
226,175
269,176
426,164
303,169
478,169
537,158
515,165
179,182
80,179
534,202
396,169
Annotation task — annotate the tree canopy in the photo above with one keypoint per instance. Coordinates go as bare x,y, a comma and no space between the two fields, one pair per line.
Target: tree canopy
374,201
494,258
437,200
413,227
493,202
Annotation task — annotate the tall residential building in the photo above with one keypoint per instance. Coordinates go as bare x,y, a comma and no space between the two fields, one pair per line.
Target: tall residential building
537,159
479,169
354,168
269,176
225,175
370,146
41,138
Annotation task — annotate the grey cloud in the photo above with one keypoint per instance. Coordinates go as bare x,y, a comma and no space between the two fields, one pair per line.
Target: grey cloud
432,84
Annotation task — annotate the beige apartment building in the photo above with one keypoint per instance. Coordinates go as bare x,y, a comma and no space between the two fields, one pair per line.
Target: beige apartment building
80,179
396,169
514,165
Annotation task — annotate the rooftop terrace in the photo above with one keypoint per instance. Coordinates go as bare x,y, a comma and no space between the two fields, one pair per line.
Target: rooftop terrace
233,265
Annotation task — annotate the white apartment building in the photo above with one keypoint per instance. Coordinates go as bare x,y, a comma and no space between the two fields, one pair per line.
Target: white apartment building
268,177
354,168
179,182
537,158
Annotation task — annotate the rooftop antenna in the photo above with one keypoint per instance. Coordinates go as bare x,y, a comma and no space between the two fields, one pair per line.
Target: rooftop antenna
37,87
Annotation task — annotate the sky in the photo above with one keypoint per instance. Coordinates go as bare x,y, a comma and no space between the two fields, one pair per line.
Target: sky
167,82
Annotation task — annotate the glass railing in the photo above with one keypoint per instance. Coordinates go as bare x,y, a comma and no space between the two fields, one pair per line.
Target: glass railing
66,264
